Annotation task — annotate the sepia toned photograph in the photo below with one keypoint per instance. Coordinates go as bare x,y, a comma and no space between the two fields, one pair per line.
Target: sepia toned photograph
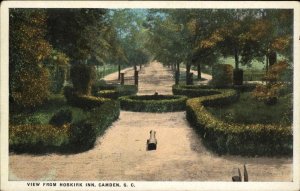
114,96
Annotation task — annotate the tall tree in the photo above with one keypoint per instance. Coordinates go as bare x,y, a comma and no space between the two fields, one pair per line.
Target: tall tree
28,49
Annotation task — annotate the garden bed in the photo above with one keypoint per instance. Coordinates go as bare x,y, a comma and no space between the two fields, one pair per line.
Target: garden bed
153,103
78,135
234,138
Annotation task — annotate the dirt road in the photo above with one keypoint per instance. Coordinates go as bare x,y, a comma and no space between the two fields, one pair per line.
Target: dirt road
121,153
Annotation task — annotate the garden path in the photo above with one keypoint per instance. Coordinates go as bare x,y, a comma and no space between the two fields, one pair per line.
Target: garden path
120,154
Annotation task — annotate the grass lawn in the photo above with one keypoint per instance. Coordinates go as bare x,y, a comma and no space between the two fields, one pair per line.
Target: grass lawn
43,114
249,111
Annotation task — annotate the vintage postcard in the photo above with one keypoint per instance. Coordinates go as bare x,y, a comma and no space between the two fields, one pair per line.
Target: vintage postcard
149,95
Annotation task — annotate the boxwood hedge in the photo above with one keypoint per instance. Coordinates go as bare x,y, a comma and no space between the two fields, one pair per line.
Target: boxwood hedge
232,138
73,137
194,90
153,103
114,91
37,138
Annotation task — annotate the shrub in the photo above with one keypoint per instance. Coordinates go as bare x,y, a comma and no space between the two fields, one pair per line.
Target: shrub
232,138
82,76
270,91
32,88
121,90
153,103
102,117
83,101
238,77
82,135
222,75
113,94
60,118
193,90
37,137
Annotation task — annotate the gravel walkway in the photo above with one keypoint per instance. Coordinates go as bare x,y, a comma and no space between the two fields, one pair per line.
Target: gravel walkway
121,153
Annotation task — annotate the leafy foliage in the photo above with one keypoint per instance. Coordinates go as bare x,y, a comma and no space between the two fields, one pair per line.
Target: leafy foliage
60,118
232,138
270,91
28,49
153,103
83,77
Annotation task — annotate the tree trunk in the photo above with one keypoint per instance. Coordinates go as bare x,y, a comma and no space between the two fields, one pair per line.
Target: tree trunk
236,58
199,71
267,63
119,72
188,69
178,67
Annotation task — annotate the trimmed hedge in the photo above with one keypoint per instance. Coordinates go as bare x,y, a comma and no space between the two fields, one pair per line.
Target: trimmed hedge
232,138
222,75
194,90
83,101
153,103
112,94
101,90
74,137
37,137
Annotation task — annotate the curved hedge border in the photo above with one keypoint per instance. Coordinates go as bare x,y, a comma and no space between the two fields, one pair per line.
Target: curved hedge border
232,138
73,137
153,103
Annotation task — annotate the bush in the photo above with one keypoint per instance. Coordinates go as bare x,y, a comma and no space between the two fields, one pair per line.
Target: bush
83,101
82,135
112,94
193,90
232,138
238,77
121,90
82,76
74,137
37,137
60,118
222,75
102,117
32,88
153,103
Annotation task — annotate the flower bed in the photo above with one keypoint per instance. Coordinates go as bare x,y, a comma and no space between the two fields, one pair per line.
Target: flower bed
233,138
153,103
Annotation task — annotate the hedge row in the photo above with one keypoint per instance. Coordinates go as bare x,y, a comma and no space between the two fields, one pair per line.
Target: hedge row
114,91
194,90
83,101
66,138
205,90
33,138
153,103
232,138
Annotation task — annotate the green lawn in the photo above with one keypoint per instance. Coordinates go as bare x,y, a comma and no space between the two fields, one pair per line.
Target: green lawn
43,114
249,111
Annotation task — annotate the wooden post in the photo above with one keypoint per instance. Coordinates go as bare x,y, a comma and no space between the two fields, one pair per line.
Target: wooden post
134,67
122,78
152,141
136,78
140,67
245,174
177,77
